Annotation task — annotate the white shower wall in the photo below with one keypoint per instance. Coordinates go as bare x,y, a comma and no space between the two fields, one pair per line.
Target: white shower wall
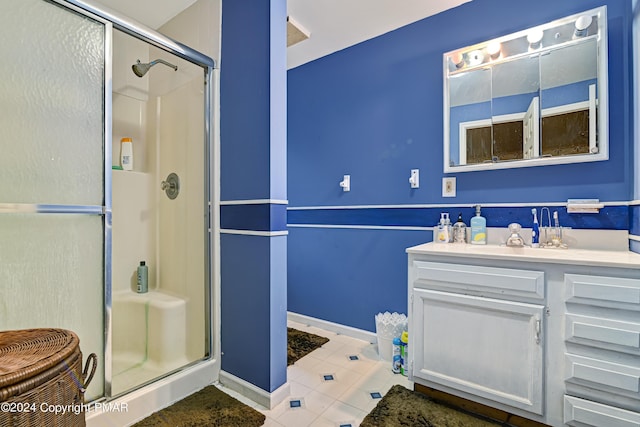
163,113
134,222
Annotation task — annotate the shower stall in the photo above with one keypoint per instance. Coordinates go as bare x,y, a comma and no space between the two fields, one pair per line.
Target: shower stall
74,224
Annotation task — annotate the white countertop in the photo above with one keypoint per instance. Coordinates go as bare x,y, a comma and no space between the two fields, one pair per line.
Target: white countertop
601,258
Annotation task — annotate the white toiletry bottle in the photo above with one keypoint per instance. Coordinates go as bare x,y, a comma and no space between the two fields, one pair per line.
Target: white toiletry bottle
126,154
142,278
478,228
442,230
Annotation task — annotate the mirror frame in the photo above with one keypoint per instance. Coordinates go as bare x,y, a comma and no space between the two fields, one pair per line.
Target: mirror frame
486,62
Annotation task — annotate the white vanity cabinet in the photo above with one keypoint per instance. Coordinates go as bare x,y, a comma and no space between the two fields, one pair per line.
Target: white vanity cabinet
470,332
548,335
602,358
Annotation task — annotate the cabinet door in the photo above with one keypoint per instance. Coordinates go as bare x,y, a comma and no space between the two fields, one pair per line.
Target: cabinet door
487,347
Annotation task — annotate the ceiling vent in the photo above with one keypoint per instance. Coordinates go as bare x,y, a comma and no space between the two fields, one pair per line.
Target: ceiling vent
295,32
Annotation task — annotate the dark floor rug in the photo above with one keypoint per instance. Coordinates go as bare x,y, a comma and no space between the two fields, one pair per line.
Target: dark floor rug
300,344
401,407
209,407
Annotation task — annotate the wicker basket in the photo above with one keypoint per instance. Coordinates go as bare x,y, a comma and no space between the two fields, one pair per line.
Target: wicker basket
41,378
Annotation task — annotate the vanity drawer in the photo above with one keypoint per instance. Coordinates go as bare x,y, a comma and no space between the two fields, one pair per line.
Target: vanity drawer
581,412
611,377
603,291
603,333
480,279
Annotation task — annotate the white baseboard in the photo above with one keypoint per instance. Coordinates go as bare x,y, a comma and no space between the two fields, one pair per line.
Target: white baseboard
333,327
253,392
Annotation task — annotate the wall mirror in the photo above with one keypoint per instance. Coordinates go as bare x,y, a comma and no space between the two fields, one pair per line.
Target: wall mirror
535,97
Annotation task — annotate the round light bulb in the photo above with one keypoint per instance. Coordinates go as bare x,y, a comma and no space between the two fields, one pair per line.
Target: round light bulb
475,57
582,25
583,22
535,36
457,59
493,49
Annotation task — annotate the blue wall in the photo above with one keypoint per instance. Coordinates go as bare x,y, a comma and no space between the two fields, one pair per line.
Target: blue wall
374,111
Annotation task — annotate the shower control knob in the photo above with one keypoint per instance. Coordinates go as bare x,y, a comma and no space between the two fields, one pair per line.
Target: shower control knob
171,186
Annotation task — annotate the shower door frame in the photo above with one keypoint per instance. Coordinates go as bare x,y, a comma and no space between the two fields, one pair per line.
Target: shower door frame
112,20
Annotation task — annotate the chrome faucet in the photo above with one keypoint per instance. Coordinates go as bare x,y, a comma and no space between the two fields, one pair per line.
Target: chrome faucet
515,239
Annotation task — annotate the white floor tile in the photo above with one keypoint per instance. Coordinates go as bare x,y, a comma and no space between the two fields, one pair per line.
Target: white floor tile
297,417
318,402
270,422
346,399
360,398
297,389
343,380
323,422
341,413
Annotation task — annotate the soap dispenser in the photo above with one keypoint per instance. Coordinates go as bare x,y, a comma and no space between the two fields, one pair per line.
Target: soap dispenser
460,230
478,228
442,230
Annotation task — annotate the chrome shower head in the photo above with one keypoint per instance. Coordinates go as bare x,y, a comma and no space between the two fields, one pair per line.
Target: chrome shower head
140,69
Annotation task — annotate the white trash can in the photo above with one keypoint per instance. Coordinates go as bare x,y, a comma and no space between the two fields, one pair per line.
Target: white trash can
388,327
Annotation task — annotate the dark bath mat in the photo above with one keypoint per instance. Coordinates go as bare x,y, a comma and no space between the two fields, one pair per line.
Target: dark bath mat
300,344
402,407
208,407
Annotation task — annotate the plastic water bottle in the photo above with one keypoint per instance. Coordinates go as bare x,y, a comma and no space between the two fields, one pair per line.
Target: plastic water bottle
396,360
404,353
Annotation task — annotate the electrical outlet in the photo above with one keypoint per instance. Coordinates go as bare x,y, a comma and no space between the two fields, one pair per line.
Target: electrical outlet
449,186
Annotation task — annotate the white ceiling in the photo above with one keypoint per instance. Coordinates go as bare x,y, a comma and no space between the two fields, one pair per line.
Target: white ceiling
152,13
333,24
337,24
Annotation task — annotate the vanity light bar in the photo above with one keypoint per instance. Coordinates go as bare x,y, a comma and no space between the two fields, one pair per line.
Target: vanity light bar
538,38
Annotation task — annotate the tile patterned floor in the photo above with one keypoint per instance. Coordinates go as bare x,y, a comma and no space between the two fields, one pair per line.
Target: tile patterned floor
336,385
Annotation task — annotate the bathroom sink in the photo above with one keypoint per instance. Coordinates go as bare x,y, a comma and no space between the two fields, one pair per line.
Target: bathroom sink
500,251
506,250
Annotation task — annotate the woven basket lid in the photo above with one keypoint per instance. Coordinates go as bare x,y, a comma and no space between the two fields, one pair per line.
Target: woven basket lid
26,353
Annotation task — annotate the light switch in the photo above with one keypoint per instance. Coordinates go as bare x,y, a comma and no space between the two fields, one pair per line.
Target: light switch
346,183
414,179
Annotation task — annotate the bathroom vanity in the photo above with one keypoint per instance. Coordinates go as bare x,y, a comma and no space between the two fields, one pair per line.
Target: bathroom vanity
551,335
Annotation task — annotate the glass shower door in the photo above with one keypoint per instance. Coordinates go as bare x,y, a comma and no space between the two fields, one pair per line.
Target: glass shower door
53,207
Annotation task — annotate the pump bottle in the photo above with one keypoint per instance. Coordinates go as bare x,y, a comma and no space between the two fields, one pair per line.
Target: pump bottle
478,229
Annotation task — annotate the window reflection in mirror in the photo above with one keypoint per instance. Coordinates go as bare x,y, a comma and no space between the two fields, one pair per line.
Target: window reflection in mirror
530,98
569,99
